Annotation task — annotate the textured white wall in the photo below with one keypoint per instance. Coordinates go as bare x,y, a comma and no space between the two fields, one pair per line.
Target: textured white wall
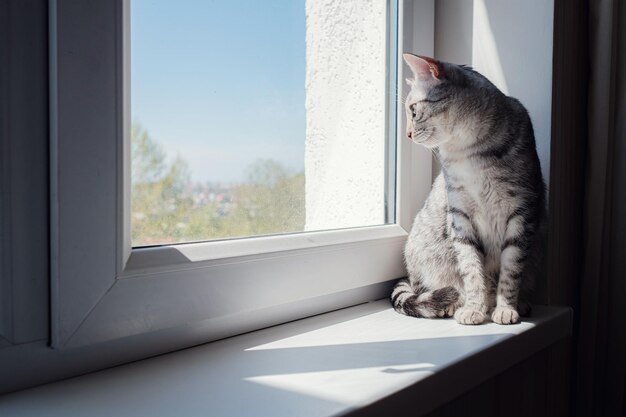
345,110
509,41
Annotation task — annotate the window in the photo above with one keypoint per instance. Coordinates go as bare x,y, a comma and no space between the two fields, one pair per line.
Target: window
146,301
108,285
255,118
105,287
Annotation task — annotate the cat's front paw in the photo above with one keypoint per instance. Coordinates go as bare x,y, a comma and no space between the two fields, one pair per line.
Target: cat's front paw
468,315
504,315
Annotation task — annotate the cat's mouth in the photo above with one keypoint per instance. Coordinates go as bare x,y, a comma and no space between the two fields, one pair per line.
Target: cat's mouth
422,136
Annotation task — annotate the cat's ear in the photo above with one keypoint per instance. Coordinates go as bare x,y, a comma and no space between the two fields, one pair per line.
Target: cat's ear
424,68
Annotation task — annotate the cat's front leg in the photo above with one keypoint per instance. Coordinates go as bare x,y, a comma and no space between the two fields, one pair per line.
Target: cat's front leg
512,259
470,261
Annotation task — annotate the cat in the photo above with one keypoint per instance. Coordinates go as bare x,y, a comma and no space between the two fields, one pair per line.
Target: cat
477,244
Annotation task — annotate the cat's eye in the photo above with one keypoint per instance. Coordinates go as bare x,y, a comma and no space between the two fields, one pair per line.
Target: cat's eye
413,114
434,100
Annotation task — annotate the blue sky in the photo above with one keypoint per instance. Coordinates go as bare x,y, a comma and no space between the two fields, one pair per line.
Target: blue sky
220,83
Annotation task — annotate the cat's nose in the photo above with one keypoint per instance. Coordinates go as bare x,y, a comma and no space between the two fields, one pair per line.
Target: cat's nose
408,135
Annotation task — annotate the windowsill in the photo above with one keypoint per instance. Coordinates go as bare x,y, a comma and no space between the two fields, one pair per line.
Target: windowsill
330,364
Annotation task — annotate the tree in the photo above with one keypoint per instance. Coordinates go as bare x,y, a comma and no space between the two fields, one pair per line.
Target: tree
270,201
159,201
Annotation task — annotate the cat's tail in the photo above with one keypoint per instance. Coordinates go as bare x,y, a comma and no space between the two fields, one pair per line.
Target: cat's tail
420,302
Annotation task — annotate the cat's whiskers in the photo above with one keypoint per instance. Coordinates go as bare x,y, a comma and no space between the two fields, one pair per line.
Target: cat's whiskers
399,96
424,134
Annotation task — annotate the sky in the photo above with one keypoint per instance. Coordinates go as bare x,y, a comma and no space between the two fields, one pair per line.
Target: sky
220,83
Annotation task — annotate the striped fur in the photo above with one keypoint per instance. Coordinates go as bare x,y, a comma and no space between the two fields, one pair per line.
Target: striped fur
477,244
418,302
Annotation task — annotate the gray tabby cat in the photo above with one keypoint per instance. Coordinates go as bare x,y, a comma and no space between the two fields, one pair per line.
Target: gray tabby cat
477,243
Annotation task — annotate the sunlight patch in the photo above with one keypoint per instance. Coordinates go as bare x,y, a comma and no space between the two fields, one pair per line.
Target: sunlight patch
352,386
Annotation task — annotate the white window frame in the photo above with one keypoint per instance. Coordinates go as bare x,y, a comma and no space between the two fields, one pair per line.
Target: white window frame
103,289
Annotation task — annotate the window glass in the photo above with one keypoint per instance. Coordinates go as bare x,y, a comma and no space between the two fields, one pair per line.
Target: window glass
256,117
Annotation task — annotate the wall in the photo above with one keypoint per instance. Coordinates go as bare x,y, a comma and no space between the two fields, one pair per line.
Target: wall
510,42
345,111
512,46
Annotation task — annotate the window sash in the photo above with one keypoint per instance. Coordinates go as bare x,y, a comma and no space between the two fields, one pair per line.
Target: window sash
103,289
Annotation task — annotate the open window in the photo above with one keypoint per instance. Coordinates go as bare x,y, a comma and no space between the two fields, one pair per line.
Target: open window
360,183
360,193
140,302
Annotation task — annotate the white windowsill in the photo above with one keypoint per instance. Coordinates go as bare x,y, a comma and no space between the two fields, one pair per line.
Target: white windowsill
326,365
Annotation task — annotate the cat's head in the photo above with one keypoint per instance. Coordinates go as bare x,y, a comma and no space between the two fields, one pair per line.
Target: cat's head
445,101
